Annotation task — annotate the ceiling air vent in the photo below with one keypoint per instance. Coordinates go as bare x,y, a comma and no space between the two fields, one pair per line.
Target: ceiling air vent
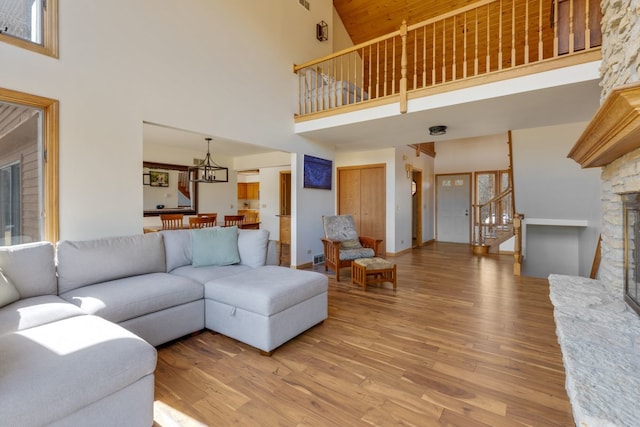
304,3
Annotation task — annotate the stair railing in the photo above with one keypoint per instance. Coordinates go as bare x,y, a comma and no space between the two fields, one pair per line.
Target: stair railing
495,214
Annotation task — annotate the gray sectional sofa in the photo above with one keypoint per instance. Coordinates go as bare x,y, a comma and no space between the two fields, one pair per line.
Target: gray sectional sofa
77,345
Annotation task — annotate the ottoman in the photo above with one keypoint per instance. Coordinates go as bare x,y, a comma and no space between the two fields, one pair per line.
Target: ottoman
265,306
366,271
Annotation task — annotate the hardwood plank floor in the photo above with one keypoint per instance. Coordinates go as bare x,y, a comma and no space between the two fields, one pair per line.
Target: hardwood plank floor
461,342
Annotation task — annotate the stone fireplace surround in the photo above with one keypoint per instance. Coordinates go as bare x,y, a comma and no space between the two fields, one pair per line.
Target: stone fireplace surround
598,332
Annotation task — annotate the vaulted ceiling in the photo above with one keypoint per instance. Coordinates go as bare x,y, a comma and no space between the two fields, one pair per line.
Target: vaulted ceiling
367,19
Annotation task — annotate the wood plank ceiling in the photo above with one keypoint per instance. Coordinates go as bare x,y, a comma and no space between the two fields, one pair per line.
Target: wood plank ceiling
367,19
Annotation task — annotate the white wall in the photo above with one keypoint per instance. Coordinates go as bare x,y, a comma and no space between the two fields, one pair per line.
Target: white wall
219,68
484,153
549,185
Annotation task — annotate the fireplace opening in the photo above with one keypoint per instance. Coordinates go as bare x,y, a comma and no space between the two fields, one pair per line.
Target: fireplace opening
631,203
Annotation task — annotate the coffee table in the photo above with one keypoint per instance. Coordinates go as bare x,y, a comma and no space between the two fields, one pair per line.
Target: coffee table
366,271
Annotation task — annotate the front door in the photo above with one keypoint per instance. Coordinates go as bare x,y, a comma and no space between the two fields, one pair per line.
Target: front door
453,208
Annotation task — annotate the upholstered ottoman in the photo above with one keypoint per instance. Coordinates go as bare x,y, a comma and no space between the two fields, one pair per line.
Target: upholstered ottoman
365,271
265,306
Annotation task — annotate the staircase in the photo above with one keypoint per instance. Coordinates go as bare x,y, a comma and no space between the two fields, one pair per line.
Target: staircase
495,221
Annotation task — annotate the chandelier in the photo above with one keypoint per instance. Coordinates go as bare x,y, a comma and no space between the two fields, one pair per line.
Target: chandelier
208,170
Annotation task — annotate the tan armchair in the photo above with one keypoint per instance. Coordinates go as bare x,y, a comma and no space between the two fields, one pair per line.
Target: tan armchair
342,243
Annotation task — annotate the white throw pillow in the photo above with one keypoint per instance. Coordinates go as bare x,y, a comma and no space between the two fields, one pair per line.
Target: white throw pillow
8,292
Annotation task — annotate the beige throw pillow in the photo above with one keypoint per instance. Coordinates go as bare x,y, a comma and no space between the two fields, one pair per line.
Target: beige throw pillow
8,292
350,244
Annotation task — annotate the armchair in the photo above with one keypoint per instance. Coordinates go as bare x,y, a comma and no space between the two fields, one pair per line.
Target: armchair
342,243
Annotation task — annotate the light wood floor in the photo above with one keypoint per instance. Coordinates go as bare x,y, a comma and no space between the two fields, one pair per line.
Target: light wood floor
462,342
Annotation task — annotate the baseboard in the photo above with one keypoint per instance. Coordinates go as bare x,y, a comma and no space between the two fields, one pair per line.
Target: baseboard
305,266
392,254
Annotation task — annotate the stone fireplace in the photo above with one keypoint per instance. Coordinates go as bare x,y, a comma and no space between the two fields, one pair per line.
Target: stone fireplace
598,331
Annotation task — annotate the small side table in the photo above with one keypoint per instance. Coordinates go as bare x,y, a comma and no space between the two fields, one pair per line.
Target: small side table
365,271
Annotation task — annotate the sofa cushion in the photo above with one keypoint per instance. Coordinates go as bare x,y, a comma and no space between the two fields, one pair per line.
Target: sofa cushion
214,246
82,263
56,369
31,268
135,296
252,247
204,274
35,311
266,290
177,248
8,292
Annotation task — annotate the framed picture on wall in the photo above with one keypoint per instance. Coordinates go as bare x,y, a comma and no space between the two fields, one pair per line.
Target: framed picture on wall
159,179
146,179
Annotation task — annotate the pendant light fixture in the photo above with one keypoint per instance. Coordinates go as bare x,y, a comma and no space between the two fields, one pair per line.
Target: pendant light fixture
208,170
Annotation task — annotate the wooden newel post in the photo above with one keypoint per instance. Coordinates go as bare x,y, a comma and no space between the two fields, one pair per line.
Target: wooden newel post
517,245
403,68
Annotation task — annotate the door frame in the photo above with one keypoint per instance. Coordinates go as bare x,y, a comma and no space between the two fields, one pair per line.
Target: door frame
416,210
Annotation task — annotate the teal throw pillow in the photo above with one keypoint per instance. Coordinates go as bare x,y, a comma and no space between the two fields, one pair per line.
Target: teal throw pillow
214,246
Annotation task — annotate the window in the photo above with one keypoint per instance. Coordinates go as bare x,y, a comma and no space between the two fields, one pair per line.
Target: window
28,168
30,24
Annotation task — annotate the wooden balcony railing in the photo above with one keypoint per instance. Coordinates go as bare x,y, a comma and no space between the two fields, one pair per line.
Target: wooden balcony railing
485,37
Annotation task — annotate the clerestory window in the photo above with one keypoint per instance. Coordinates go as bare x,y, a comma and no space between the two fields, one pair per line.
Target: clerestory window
30,24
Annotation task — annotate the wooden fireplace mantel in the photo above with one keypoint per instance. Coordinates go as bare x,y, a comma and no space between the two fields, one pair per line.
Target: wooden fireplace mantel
614,130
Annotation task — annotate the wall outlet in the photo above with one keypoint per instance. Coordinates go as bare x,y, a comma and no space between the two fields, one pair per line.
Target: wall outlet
308,251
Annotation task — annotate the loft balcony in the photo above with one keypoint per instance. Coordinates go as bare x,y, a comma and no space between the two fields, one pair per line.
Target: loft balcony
478,61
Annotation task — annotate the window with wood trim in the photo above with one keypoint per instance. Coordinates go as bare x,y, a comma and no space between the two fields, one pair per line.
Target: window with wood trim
28,168
30,24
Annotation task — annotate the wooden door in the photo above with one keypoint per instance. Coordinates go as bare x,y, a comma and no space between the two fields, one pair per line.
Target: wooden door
362,194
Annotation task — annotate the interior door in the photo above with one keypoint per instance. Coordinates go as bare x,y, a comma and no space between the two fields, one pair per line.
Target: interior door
362,194
453,208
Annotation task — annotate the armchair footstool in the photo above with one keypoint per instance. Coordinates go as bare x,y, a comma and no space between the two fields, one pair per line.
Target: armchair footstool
365,271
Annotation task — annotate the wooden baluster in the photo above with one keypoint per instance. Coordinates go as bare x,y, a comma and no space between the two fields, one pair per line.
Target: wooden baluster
587,28
571,29
433,67
464,49
453,57
424,56
377,70
540,44
488,67
513,33
415,59
555,29
393,66
526,32
362,59
475,55
384,92
370,68
500,38
403,67
444,50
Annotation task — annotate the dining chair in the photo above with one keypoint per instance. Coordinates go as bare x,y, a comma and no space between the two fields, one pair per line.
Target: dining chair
172,221
212,215
230,220
202,221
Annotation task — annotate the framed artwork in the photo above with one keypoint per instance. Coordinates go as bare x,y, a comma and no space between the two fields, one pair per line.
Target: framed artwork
146,179
317,172
158,179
